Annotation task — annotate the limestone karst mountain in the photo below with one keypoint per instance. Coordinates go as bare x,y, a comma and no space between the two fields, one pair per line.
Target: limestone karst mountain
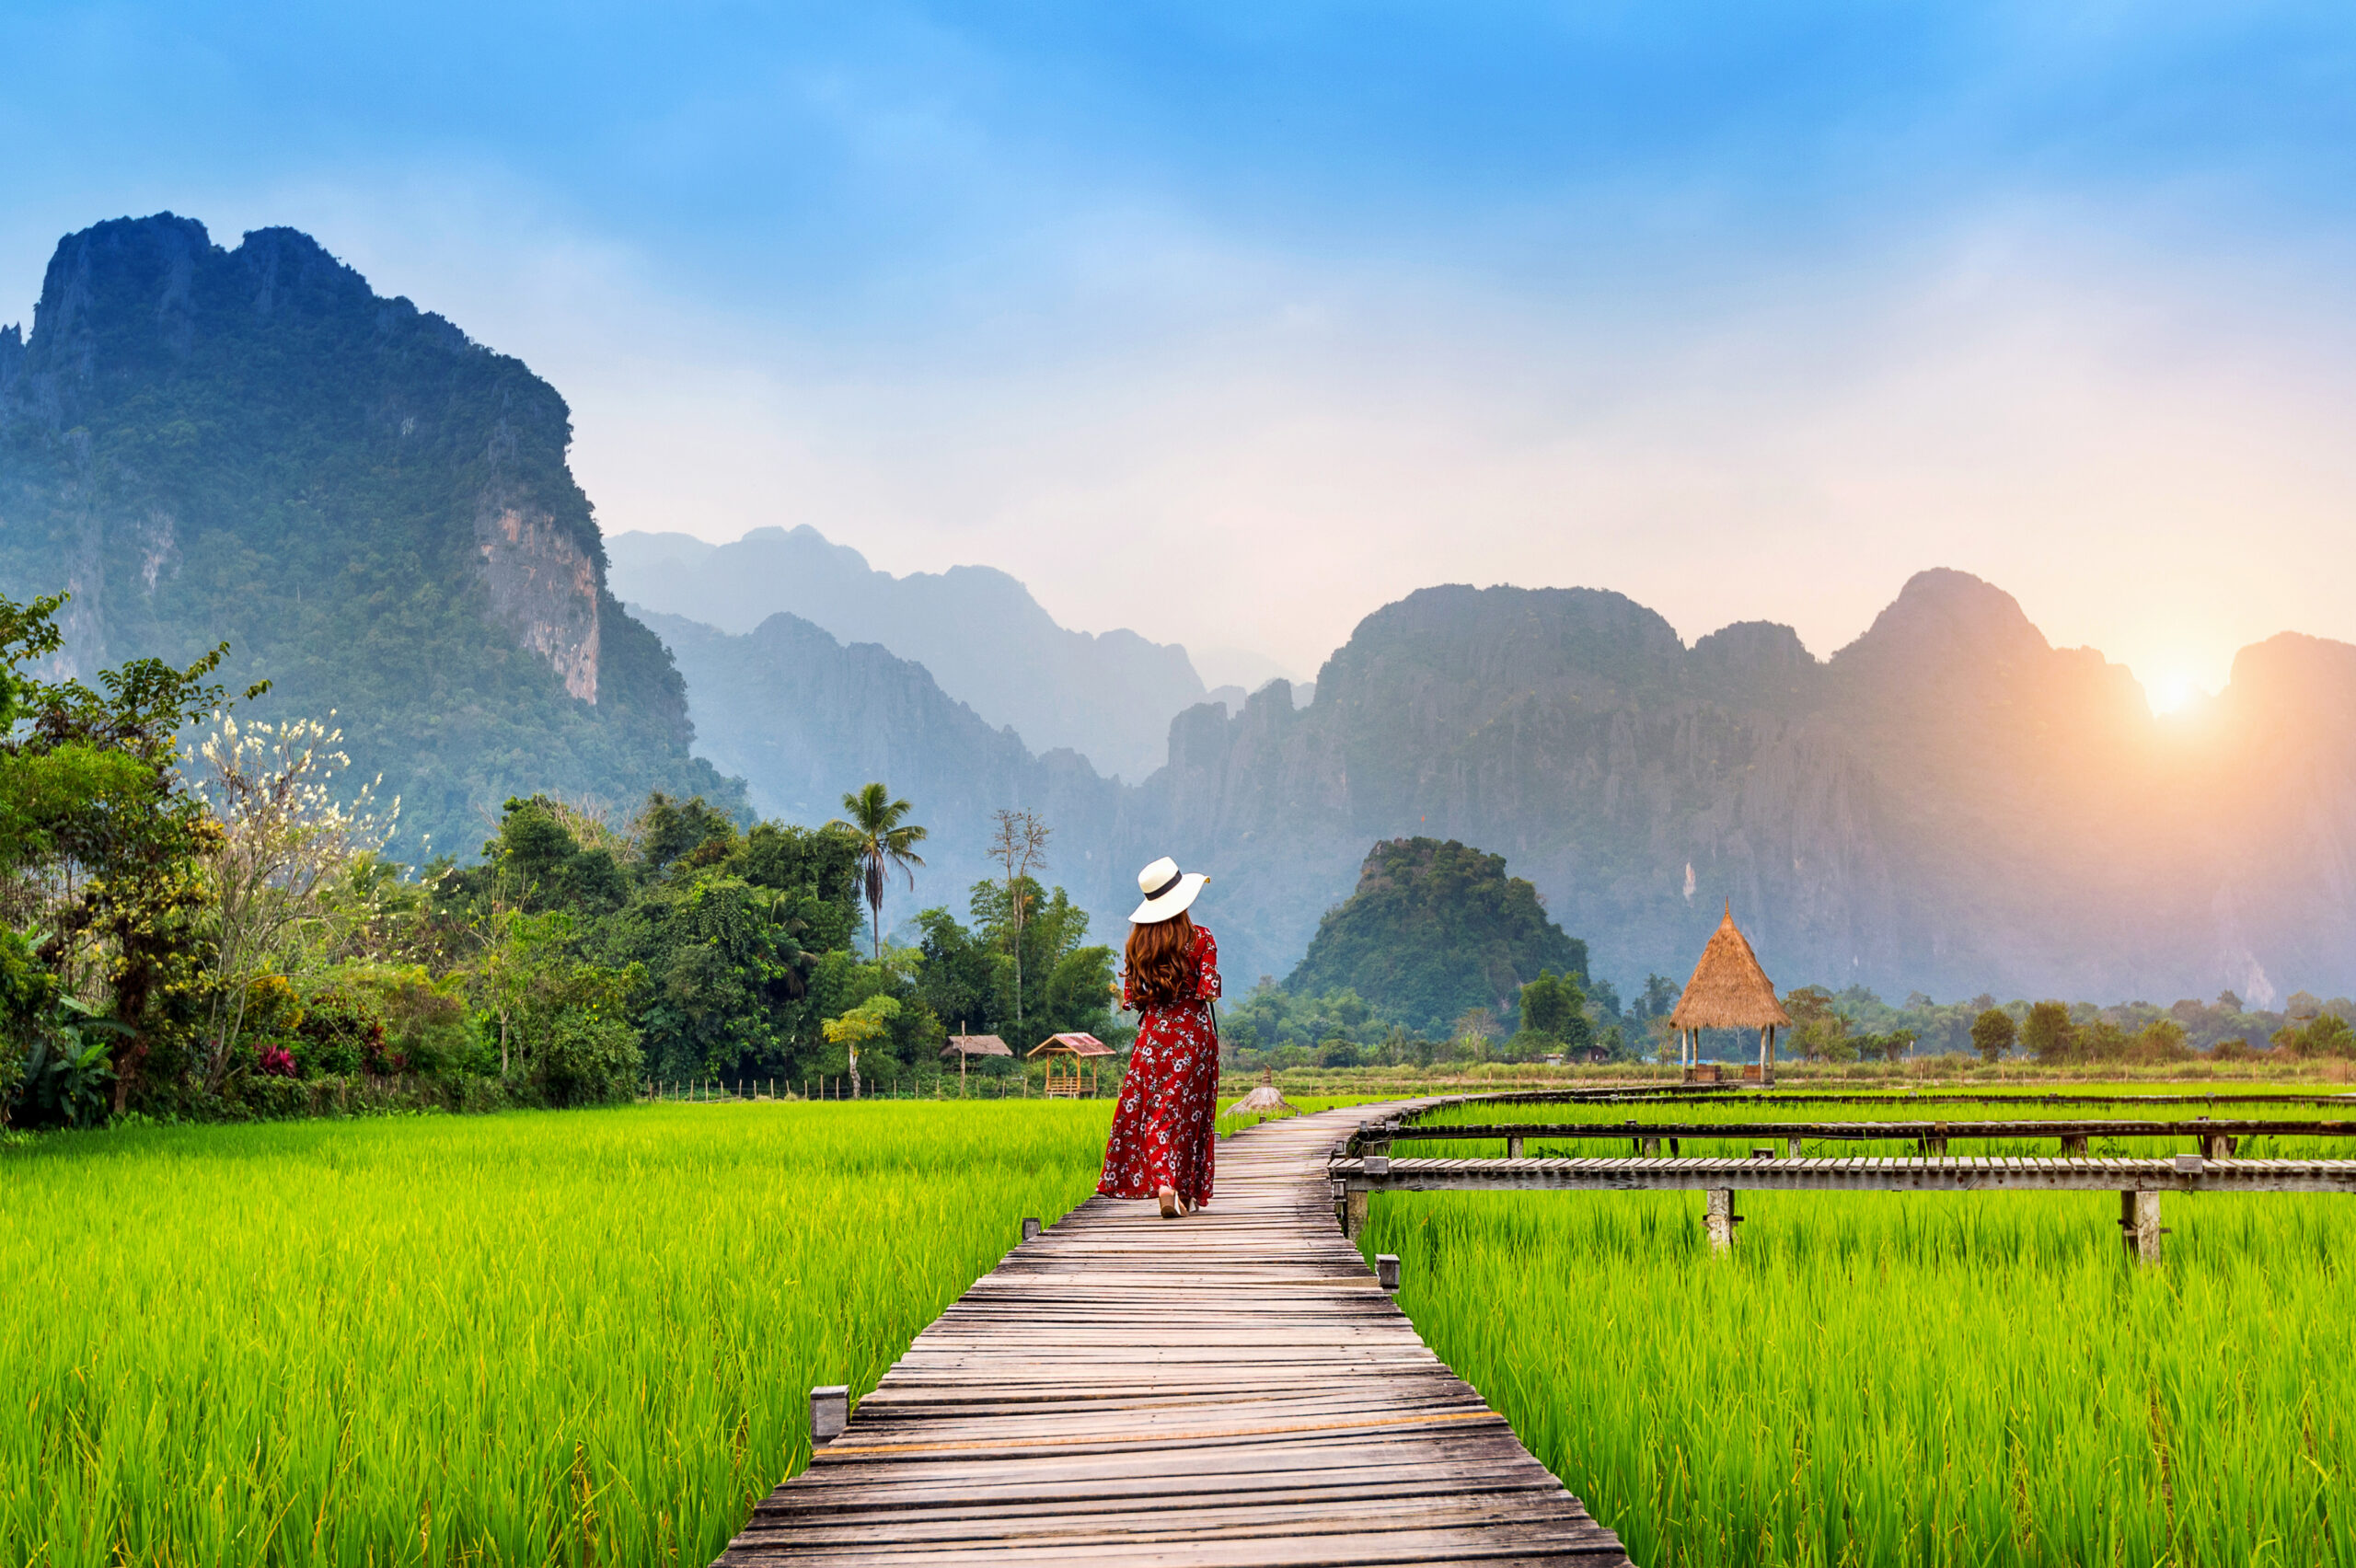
375,510
204,442
1949,802
1108,696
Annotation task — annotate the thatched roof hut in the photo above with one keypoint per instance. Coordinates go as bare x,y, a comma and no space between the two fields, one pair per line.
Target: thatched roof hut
1729,989
963,1045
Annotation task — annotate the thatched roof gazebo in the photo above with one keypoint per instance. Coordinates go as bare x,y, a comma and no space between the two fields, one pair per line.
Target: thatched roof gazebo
1728,991
965,1048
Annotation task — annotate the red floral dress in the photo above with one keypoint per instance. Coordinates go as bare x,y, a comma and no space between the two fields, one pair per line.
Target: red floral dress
1166,1123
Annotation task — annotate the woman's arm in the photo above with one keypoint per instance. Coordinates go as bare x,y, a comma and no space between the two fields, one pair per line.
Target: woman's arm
1205,965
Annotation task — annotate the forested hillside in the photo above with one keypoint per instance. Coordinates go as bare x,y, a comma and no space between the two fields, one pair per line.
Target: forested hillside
1433,931
200,443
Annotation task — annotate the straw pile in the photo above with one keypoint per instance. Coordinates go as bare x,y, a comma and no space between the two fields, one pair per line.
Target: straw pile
1265,1100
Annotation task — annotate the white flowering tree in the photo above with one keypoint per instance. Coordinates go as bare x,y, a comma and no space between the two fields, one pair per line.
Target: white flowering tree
284,833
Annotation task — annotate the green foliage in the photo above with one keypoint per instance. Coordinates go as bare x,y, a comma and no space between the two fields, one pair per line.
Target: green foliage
968,979
1554,1008
1818,1032
2327,1035
1992,1034
108,840
886,842
2049,1034
1433,928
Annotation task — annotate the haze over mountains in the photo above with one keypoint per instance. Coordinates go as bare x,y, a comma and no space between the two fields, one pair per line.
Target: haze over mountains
1108,696
250,443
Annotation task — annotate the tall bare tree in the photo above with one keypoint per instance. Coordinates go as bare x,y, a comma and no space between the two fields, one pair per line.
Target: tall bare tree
1020,847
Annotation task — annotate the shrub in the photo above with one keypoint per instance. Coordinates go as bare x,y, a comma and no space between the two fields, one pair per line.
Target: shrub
588,1057
340,1035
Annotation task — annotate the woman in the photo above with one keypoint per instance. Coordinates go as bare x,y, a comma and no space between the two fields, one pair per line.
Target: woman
1167,1120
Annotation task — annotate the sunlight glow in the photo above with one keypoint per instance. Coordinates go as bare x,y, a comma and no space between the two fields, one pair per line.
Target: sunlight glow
2171,694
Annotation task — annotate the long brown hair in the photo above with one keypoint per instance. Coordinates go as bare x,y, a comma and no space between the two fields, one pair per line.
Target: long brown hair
1162,961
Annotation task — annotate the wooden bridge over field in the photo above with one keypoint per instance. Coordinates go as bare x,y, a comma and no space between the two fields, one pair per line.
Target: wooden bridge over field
1233,1388
1362,1164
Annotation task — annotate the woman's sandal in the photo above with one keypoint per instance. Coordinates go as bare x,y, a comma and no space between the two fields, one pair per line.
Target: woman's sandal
1171,1206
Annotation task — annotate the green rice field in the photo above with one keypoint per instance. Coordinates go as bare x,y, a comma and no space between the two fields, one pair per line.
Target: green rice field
552,1338
1906,1377
588,1336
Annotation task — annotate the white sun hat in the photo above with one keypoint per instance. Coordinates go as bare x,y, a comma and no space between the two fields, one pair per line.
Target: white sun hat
1167,891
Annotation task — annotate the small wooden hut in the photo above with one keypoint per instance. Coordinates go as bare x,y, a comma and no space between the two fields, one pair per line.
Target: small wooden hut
1728,991
965,1048
1067,1056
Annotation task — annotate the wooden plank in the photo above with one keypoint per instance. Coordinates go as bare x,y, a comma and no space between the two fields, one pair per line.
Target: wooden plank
1279,1407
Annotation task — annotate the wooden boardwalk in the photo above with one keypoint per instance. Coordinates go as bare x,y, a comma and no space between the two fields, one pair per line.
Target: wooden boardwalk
1943,1173
1231,1388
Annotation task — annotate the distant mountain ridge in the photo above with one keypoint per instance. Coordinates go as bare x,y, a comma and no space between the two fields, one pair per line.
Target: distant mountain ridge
1108,696
1947,803
375,510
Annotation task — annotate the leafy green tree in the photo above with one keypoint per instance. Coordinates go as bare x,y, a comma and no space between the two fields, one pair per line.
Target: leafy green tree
1819,1032
2049,1034
2326,1035
887,841
1992,1034
94,804
862,1025
1435,928
1554,1017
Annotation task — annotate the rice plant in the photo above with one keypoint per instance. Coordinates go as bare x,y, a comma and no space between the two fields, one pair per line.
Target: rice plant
1910,1377
584,1337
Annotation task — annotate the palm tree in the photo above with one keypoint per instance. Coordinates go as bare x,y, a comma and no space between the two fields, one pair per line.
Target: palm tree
884,843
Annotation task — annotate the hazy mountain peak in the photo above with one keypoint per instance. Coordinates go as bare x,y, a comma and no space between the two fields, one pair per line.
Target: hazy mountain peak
1943,615
976,629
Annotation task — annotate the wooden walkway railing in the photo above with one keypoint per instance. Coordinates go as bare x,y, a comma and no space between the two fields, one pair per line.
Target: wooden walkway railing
1361,1165
1232,1387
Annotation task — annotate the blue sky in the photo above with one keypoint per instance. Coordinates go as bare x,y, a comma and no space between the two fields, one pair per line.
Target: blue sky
1231,323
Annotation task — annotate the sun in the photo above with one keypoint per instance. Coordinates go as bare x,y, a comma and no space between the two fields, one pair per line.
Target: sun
2171,694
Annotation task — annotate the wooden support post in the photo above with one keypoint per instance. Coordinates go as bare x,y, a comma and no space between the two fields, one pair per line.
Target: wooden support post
1791,1148
2139,1224
1030,1231
1936,1143
2073,1145
1719,1219
1386,1272
2216,1146
829,1412
1354,1213
1513,1146
1652,1148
